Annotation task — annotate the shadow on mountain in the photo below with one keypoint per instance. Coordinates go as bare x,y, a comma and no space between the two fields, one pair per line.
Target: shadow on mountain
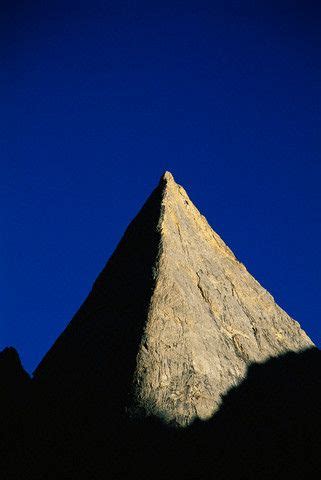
270,425
83,384
96,354
82,387
267,428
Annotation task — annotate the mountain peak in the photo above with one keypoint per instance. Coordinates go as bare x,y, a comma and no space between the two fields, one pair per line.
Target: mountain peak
172,322
168,176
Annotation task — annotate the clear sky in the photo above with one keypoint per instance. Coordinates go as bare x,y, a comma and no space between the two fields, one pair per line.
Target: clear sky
99,98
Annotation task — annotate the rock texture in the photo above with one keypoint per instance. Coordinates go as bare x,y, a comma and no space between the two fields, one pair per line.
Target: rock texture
208,319
172,323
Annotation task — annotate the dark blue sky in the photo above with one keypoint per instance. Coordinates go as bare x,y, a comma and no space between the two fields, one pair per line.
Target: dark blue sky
99,98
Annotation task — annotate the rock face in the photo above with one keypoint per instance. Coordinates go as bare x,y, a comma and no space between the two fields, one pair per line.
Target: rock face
172,322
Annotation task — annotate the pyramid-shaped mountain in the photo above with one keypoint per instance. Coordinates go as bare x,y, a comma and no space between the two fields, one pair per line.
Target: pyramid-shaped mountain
171,324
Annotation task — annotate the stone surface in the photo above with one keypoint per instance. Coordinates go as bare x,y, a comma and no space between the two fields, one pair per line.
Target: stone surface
208,319
172,322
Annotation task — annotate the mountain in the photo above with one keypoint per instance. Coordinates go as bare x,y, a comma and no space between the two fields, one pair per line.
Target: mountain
173,321
179,364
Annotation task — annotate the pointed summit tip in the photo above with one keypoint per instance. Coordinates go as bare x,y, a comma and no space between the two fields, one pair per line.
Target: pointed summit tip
168,177
167,181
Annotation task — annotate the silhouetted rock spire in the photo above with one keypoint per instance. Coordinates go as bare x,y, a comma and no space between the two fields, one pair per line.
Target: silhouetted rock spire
15,399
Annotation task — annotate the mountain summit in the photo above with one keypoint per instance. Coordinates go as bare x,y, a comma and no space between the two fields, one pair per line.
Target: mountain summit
172,322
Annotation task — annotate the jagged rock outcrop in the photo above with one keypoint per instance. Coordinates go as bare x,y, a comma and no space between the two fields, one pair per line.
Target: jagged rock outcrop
15,398
14,385
171,324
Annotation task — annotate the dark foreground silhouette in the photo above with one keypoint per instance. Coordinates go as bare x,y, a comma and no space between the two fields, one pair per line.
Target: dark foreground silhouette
268,427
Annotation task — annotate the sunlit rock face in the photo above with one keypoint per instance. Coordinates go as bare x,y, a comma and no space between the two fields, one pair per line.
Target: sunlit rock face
208,318
172,322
